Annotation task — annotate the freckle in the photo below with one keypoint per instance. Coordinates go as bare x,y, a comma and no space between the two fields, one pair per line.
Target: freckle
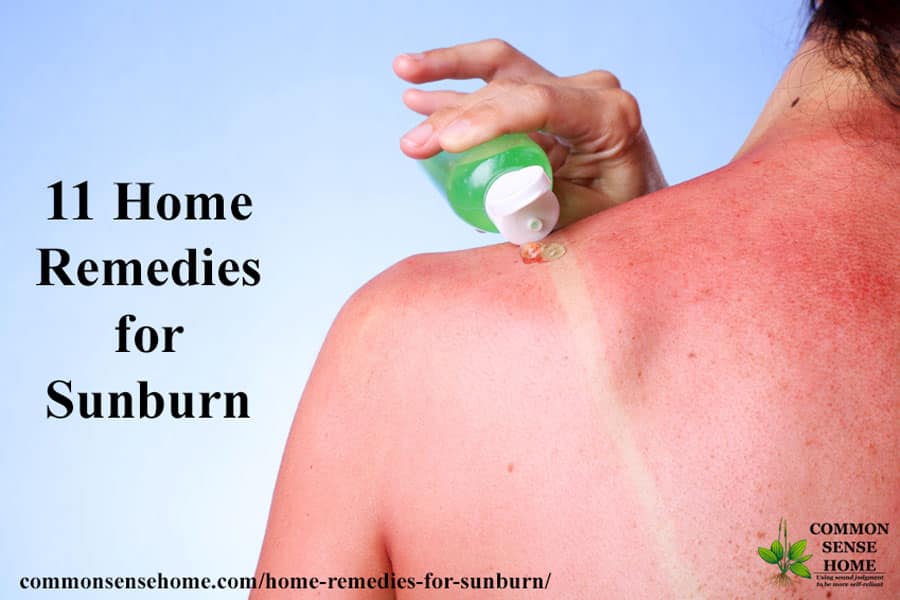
796,100
809,442
640,373
692,355
760,534
510,467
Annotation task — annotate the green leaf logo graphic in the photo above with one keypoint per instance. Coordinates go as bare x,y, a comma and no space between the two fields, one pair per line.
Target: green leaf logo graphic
792,560
767,555
796,550
800,570
777,550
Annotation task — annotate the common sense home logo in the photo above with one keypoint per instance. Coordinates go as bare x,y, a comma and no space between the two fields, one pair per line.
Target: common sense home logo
786,556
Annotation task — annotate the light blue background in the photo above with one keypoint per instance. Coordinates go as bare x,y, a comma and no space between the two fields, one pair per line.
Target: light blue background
295,104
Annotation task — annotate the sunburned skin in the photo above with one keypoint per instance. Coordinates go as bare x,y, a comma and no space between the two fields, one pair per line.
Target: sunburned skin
574,295
634,418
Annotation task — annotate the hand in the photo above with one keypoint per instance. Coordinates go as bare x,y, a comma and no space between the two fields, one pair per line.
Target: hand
587,124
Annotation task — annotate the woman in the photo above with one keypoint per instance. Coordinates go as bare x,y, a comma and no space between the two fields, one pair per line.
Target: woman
639,417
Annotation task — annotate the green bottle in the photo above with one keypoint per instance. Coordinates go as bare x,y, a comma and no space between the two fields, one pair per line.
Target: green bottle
504,186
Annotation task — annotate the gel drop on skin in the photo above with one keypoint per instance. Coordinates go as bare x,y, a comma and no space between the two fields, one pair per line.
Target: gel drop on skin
504,186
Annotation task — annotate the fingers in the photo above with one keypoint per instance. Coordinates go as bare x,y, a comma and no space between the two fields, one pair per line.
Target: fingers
519,107
487,60
600,122
423,141
556,151
500,107
425,103
589,112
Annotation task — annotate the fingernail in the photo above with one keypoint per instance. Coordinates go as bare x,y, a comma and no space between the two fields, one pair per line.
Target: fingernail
414,55
419,135
456,132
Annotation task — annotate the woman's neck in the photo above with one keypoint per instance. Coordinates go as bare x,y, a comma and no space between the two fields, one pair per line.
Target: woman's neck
813,98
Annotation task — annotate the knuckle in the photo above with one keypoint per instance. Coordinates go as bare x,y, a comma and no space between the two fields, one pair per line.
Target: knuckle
627,110
499,49
541,94
603,78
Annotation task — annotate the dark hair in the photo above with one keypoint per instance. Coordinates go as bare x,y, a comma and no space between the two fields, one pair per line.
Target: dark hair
863,35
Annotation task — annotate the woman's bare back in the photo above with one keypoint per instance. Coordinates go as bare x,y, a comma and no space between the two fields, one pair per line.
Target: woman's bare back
633,419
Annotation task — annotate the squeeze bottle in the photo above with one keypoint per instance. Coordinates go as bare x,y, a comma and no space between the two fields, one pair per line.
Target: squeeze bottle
503,186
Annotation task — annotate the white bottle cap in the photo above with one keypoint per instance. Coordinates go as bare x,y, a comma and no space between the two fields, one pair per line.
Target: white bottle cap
522,205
